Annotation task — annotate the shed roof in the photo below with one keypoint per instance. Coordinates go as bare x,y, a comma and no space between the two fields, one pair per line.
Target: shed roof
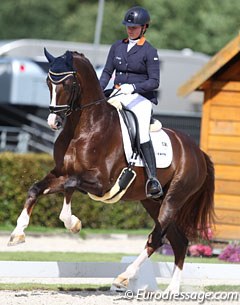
211,67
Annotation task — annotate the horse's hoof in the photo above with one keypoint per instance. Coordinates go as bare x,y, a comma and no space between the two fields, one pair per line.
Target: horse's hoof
77,227
16,239
121,283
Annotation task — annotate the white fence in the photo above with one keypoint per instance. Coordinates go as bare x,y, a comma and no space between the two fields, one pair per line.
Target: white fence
111,270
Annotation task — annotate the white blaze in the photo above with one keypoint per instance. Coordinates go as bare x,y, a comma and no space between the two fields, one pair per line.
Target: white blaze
52,116
54,95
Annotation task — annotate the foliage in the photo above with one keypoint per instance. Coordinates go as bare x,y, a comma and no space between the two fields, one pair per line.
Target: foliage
231,253
200,250
203,26
20,171
203,248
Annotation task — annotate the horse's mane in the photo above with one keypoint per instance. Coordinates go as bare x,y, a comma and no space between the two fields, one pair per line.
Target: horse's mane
82,57
84,60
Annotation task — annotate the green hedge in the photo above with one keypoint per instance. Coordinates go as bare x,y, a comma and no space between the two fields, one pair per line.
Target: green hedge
19,171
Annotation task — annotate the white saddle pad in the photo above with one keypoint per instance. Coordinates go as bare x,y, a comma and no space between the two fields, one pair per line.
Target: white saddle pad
161,143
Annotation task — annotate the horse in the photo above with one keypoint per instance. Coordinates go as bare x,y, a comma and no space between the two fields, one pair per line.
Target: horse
89,156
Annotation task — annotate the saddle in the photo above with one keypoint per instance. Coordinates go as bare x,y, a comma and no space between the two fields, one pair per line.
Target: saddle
131,123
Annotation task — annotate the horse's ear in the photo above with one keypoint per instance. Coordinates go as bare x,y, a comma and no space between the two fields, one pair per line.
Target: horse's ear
49,57
69,58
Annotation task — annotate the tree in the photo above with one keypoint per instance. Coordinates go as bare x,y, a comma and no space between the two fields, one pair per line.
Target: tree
204,26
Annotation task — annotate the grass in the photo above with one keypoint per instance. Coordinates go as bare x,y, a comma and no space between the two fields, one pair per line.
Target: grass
83,233
42,229
138,232
61,256
91,257
53,287
235,288
34,229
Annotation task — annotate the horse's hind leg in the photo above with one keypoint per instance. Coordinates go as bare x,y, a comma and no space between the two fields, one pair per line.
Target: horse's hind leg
50,184
179,244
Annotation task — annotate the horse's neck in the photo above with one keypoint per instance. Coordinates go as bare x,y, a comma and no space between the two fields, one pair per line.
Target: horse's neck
93,119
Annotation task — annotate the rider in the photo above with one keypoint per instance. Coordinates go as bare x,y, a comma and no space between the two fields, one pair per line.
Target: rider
137,72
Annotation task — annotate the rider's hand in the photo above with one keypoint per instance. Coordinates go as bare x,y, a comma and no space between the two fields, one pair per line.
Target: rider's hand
126,88
115,102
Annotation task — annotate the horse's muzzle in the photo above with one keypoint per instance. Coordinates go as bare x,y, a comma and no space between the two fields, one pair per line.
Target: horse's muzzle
55,121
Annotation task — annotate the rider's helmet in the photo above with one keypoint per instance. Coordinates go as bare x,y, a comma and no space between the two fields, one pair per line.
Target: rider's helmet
136,16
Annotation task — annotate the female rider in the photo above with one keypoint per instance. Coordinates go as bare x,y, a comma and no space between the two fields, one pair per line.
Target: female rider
137,73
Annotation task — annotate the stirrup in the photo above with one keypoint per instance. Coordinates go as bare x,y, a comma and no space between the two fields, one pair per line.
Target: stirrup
154,194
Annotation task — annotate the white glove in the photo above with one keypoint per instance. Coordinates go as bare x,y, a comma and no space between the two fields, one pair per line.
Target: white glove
126,88
115,102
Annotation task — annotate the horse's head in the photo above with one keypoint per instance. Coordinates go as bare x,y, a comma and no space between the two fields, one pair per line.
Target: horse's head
64,88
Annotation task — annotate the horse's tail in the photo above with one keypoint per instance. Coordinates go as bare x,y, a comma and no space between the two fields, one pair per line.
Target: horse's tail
198,213
206,216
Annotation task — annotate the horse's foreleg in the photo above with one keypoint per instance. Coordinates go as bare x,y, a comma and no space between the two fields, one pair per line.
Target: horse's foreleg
18,235
50,184
70,221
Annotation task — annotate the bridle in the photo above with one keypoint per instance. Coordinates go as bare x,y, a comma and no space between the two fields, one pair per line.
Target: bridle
67,109
58,78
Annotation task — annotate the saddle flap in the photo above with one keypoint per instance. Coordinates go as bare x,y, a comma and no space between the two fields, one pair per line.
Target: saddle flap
131,123
161,143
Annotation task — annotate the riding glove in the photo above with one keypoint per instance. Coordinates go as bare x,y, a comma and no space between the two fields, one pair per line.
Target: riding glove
127,88
115,102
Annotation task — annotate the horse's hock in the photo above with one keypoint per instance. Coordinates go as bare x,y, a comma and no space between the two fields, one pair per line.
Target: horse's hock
219,79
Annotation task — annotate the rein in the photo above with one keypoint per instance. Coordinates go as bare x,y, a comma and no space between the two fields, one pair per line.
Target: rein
69,108
101,100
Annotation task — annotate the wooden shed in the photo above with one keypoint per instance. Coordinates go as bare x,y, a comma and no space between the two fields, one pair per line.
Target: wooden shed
219,79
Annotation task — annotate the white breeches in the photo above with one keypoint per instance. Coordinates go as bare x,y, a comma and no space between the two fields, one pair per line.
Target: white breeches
143,110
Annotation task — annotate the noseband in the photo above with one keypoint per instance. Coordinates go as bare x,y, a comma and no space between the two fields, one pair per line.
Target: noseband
58,78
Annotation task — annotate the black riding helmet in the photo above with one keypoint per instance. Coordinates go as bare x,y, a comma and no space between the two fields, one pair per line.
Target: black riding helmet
136,16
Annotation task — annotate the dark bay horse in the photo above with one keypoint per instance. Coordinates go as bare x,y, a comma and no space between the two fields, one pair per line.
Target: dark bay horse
89,157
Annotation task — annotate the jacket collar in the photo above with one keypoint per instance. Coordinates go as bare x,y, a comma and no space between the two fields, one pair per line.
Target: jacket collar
139,43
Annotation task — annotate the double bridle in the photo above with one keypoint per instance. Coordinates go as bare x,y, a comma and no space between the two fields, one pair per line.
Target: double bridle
67,109
58,78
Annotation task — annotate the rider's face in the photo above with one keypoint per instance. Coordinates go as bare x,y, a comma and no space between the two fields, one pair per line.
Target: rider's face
134,31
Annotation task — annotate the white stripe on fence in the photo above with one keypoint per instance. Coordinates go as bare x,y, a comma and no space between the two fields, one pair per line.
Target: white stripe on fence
111,270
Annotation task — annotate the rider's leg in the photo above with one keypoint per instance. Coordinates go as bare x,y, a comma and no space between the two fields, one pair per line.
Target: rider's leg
153,186
143,109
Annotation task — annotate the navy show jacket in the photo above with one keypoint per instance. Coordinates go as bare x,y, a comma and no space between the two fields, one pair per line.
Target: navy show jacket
140,67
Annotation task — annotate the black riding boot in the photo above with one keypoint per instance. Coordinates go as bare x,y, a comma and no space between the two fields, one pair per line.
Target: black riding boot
153,186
